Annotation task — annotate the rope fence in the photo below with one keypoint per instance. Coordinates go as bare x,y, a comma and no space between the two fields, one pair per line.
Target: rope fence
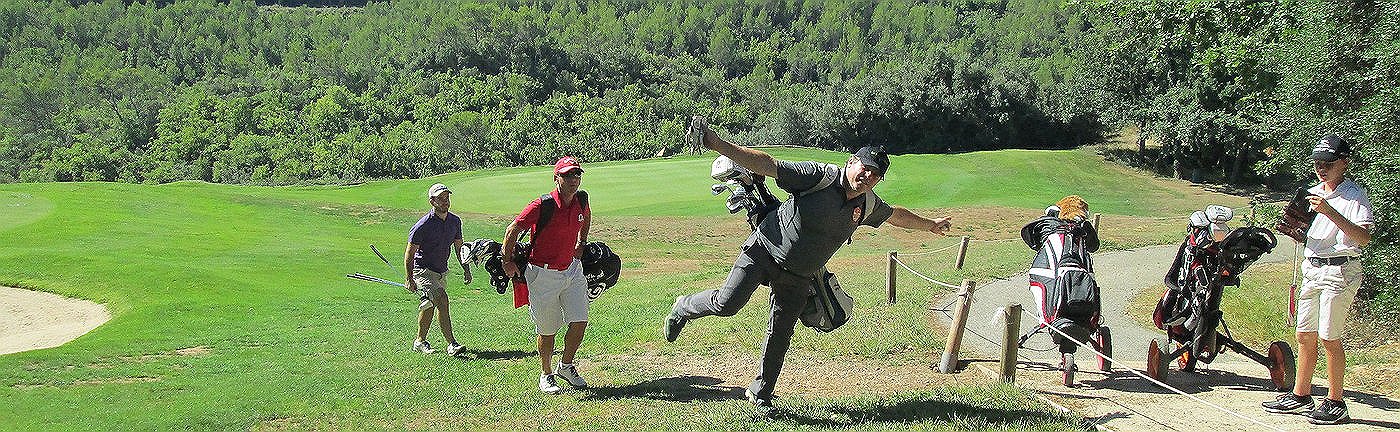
1010,341
1115,362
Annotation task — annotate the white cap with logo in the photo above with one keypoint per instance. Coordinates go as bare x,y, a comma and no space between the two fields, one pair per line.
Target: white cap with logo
437,189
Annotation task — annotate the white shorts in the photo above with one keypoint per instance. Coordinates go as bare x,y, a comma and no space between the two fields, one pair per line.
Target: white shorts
1326,296
556,297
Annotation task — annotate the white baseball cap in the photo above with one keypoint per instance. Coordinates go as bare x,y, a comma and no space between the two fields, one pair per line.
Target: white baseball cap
438,189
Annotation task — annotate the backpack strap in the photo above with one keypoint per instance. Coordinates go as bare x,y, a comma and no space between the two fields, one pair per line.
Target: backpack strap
547,207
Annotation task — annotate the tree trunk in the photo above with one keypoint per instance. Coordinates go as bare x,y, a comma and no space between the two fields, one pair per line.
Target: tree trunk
1142,137
1177,154
1238,166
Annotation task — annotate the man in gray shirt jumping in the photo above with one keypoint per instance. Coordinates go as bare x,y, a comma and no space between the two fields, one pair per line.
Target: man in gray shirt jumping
792,244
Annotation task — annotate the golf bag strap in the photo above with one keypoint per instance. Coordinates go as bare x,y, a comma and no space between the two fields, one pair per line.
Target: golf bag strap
547,207
829,175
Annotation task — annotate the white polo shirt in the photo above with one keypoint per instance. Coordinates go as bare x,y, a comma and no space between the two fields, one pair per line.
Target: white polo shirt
1325,239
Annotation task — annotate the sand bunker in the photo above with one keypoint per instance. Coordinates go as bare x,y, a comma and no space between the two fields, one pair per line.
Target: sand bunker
31,320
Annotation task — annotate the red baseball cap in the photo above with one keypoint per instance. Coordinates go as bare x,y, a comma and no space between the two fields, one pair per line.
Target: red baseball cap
566,164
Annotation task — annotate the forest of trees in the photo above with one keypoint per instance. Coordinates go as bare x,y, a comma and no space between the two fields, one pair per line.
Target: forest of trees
286,92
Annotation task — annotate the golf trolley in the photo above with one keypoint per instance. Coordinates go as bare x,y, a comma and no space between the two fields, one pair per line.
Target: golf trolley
1063,286
1210,258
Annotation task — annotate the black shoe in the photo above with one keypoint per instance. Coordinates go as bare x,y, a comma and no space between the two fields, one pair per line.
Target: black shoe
762,405
1289,403
674,323
1330,412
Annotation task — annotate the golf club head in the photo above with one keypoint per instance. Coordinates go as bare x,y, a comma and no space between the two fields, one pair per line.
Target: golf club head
1199,219
719,188
725,170
1219,213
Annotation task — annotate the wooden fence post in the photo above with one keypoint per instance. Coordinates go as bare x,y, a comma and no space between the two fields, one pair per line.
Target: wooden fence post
962,252
1096,221
949,363
889,276
1010,342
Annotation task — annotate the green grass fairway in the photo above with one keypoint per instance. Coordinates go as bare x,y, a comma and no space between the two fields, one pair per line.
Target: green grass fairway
231,309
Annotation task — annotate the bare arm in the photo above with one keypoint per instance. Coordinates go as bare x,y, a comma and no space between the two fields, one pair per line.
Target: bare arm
508,250
408,253
904,218
583,235
1361,235
755,160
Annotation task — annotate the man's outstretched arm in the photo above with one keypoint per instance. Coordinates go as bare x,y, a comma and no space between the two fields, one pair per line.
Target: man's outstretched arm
755,160
904,218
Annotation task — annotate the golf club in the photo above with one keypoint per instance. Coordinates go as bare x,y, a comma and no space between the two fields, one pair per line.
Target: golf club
424,302
381,257
368,278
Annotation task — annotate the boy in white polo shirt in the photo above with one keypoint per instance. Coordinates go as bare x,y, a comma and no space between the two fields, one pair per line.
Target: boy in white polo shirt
1331,277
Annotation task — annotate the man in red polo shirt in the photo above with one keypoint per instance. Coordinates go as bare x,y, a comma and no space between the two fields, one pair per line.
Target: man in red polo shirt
558,289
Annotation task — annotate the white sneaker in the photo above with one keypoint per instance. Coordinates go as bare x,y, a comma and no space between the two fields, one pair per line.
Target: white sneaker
456,350
548,385
570,374
423,347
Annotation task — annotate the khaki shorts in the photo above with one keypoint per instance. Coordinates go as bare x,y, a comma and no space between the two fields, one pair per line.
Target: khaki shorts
557,297
1326,297
432,283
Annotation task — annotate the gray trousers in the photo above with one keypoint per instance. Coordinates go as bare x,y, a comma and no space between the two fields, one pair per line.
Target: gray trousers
788,297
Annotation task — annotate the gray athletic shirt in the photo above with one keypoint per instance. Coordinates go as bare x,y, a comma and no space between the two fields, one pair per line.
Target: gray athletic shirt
807,230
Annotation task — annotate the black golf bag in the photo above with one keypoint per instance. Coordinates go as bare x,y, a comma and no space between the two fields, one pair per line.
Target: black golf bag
1062,278
1189,310
601,266
1209,259
831,306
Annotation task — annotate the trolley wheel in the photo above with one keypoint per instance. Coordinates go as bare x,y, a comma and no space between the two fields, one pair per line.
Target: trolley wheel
1067,367
1187,361
1157,361
1282,367
1105,346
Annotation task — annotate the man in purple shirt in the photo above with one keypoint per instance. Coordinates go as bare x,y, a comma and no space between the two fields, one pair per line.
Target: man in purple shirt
430,242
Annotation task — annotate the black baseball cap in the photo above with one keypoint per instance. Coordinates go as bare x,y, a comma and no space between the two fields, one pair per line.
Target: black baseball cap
875,158
1331,148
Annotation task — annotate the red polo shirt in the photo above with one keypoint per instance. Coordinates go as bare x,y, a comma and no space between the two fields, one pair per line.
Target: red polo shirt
554,247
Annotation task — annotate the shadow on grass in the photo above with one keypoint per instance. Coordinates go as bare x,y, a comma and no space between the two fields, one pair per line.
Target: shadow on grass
497,355
917,410
687,388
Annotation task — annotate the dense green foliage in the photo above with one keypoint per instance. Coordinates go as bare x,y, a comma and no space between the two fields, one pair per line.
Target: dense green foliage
1239,89
241,94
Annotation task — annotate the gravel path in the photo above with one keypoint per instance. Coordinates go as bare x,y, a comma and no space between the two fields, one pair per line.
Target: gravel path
1122,401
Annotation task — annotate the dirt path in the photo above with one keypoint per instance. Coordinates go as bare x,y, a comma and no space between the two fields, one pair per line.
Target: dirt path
1122,401
31,320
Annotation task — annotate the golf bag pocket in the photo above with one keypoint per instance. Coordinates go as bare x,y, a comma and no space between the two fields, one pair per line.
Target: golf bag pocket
1078,294
829,307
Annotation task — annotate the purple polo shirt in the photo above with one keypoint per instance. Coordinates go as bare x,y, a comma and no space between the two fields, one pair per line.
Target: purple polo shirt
434,237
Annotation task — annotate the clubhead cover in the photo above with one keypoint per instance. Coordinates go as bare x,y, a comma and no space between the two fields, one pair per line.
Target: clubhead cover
695,134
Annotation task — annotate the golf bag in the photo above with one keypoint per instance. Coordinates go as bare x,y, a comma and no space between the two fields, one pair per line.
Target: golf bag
601,266
1062,278
747,191
830,306
1209,258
